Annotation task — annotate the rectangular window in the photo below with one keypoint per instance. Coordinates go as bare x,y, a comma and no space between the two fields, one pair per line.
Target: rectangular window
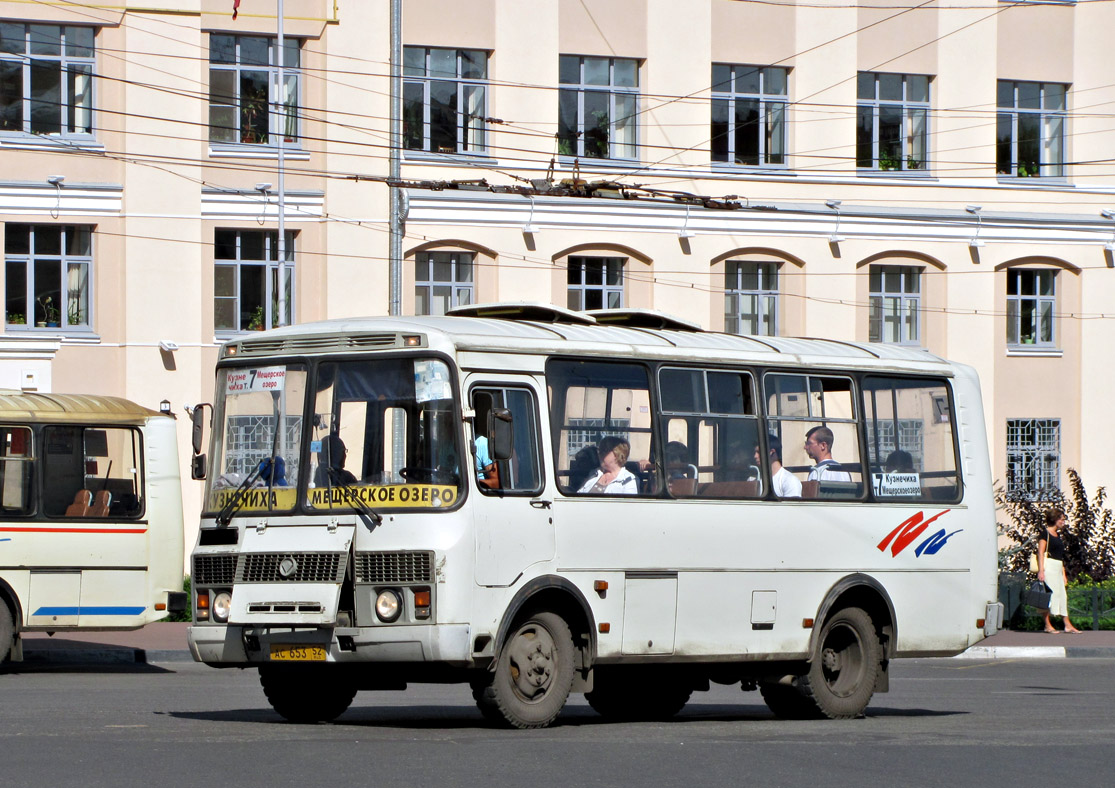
246,103
594,400
911,447
595,282
442,280
751,298
712,433
749,115
815,418
92,472
48,273
895,306
1030,130
892,122
522,472
598,107
16,471
1031,308
445,100
246,280
1033,457
46,79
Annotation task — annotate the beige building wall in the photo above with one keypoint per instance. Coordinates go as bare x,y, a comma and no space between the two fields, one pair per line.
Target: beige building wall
155,190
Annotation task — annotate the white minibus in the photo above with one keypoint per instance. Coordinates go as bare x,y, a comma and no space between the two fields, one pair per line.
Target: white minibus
90,516
537,501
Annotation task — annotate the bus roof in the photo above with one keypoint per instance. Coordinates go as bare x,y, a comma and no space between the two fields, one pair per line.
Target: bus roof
533,331
72,408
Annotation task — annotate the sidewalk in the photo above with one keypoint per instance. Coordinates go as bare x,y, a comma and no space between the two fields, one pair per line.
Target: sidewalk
167,643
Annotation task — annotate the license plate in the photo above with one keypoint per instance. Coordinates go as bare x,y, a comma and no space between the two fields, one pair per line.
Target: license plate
297,653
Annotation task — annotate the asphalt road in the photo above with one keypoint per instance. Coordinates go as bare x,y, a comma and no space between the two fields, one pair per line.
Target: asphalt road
945,722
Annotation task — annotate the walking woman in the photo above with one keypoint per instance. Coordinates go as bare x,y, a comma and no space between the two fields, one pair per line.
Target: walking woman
1051,569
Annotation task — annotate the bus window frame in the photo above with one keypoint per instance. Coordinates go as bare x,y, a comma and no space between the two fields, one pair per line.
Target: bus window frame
138,445
540,449
34,511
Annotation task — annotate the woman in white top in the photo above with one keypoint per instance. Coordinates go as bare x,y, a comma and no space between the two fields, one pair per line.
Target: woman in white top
612,478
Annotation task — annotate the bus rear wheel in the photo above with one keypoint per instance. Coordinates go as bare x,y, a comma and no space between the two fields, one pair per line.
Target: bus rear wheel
845,665
305,696
7,631
533,675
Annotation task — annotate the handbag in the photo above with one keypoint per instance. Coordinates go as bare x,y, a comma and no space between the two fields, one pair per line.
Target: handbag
1033,563
1038,595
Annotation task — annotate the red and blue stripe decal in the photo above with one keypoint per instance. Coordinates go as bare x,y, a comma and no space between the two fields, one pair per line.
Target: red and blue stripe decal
913,527
89,610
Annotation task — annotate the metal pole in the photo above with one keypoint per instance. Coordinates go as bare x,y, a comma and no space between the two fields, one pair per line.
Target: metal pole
283,119
395,253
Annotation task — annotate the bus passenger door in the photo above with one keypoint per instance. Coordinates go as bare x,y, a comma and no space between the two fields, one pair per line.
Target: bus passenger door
511,510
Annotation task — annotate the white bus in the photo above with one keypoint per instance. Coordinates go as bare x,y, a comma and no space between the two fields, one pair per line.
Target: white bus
396,500
90,516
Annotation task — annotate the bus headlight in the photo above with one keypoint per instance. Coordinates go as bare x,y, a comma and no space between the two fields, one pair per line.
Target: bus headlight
222,604
388,606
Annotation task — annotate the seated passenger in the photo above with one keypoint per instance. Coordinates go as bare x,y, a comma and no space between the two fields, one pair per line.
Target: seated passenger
677,461
272,472
611,477
785,484
331,463
899,461
583,465
818,445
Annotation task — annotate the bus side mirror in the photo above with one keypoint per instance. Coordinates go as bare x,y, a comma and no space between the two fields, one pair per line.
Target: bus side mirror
501,434
198,419
197,467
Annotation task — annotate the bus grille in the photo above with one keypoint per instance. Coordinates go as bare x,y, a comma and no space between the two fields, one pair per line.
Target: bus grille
407,567
212,570
307,568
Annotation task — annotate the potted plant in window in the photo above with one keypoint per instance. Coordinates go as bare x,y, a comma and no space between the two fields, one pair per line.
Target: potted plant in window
74,317
255,323
16,319
50,313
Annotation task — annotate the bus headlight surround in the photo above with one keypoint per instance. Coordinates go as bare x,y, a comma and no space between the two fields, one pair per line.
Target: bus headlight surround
388,605
222,606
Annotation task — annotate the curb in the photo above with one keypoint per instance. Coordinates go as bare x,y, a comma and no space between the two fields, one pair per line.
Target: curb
1036,652
105,656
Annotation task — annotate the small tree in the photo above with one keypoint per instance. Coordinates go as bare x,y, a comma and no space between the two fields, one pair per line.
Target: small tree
1089,531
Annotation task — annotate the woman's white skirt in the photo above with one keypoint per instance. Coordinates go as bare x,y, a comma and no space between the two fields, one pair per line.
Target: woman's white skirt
1055,579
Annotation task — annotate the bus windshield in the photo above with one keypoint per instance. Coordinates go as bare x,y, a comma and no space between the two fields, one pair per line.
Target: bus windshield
258,440
383,433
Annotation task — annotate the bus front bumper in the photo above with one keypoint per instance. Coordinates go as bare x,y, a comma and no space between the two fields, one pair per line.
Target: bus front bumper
230,646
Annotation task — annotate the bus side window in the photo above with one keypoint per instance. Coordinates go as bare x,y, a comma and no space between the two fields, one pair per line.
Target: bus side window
16,465
521,473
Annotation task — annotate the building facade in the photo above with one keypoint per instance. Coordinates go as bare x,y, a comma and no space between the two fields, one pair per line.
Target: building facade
936,176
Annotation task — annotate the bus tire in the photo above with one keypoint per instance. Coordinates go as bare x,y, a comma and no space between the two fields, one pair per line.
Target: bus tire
786,702
533,675
630,697
7,630
305,696
845,664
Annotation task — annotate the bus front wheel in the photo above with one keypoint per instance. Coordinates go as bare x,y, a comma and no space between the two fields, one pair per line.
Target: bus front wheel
305,696
845,665
533,675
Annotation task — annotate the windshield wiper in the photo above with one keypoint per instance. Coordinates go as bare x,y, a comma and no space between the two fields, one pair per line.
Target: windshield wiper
352,496
232,506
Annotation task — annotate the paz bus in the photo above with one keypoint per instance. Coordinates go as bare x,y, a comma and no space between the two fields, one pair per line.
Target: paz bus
90,516
421,499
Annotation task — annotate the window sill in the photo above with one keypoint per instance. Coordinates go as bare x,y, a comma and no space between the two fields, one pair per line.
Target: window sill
731,166
899,174
448,159
598,164
1022,351
20,140
70,336
231,151
1060,181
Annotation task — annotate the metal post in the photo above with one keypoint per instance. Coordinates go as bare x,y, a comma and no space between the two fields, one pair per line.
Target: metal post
395,253
282,294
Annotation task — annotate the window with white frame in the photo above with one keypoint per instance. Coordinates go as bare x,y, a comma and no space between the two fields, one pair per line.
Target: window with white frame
46,79
443,280
246,280
892,121
1031,308
1030,130
751,298
1033,457
595,282
895,304
598,107
246,103
47,275
445,99
749,114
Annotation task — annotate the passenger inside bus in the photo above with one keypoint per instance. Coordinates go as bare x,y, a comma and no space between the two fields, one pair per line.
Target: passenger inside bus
899,461
818,445
784,483
583,465
677,462
331,463
612,478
